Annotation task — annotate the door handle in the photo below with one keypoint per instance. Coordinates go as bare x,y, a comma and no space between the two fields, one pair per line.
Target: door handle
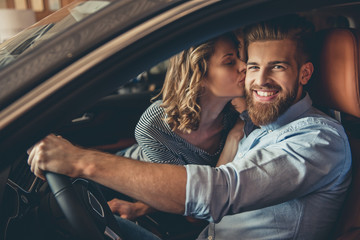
86,117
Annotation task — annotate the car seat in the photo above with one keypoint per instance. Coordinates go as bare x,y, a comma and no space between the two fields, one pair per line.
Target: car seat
336,86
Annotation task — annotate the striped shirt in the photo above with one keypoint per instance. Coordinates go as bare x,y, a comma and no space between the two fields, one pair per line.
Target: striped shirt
156,142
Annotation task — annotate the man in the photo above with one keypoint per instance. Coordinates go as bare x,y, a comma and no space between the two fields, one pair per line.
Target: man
288,178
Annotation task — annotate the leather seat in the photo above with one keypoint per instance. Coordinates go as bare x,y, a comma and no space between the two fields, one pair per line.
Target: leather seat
336,86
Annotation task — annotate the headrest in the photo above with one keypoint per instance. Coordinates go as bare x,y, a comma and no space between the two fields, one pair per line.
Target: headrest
336,81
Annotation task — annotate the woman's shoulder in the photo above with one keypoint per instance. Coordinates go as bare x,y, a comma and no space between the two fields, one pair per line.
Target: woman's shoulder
154,111
153,117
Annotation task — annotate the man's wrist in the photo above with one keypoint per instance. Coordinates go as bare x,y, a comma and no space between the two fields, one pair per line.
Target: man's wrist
86,165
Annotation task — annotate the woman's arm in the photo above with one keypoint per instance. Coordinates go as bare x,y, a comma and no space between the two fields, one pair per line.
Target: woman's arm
231,144
235,134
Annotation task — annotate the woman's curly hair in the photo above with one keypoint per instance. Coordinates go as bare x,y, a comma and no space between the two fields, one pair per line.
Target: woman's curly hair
182,86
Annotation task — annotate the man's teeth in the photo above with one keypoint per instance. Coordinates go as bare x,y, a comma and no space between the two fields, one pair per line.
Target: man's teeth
265,94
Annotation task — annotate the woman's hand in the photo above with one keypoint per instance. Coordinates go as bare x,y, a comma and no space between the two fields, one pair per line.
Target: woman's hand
129,210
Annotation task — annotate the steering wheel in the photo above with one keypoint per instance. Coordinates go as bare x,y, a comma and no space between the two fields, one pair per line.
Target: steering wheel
84,206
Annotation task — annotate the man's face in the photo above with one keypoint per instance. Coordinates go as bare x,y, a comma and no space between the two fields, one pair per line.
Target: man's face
272,79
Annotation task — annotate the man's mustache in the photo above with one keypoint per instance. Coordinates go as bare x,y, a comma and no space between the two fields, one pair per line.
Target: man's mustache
266,86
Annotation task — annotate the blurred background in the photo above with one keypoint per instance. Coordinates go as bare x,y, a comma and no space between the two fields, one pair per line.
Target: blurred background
16,15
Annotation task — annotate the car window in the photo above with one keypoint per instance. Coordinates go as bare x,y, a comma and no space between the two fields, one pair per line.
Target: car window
148,81
33,36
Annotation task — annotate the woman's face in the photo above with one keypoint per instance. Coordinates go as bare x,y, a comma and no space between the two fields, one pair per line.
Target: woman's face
226,72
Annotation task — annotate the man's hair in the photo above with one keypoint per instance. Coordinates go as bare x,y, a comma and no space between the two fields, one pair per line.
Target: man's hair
182,85
292,27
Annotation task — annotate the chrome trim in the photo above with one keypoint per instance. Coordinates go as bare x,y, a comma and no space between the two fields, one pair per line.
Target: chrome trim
65,76
14,184
111,234
91,196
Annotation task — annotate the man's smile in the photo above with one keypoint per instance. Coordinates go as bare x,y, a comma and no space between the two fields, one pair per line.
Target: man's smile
265,95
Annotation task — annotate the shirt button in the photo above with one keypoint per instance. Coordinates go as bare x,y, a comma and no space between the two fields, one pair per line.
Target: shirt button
210,237
269,131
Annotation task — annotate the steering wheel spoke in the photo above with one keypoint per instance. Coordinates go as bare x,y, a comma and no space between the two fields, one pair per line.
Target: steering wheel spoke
84,206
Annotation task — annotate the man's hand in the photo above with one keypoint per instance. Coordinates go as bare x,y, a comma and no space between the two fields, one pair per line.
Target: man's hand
162,186
55,154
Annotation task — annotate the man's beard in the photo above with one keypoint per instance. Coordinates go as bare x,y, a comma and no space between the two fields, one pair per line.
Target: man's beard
264,113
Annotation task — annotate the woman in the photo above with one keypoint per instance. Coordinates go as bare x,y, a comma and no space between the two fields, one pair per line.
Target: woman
236,133
191,122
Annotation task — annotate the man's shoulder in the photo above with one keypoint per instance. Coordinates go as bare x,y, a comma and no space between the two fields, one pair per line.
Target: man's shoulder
314,119
318,118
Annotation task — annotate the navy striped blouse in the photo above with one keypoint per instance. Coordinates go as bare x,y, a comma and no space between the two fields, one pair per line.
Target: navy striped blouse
156,142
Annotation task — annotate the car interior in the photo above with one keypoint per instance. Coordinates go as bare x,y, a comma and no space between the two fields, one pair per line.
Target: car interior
109,125
338,68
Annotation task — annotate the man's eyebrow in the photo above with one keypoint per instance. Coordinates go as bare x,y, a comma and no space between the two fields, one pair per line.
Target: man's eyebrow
279,62
270,63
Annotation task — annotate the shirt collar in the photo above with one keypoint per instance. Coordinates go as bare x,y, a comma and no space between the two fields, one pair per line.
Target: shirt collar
291,114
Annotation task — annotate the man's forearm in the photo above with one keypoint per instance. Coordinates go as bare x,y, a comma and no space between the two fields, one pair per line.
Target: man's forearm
147,182
159,185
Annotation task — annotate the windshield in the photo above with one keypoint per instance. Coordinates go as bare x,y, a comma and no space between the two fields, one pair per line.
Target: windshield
33,36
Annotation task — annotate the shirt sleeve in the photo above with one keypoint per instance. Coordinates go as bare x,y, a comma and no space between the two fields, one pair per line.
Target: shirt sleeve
295,164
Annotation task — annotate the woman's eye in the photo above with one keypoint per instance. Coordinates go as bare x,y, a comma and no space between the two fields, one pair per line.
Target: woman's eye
230,63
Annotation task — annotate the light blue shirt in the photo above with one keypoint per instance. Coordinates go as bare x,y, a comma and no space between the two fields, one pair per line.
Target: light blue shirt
288,181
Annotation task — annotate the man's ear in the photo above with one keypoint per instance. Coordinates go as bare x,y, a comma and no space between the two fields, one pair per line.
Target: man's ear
306,72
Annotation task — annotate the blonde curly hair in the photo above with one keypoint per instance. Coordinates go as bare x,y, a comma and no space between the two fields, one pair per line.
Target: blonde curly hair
182,86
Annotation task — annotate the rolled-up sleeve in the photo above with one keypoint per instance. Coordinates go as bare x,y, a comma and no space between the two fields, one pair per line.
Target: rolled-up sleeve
286,166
